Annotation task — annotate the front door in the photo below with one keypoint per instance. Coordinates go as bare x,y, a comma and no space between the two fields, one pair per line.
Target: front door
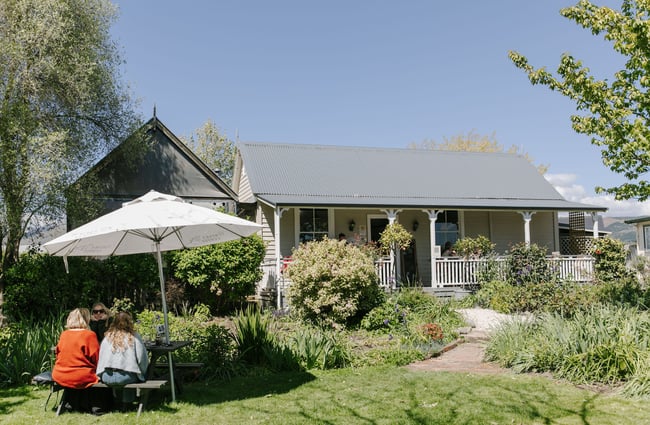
376,226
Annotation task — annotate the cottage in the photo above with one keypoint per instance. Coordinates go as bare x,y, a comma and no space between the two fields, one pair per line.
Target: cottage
301,193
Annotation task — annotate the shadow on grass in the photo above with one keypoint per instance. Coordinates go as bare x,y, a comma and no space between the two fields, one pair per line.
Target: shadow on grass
16,396
242,388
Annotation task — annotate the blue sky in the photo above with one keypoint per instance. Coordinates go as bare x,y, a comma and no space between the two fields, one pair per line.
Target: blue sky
368,73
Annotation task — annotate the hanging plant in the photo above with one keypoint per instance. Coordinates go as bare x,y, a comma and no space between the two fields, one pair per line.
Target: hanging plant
395,235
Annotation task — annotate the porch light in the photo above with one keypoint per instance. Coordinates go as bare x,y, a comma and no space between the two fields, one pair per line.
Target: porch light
416,224
351,225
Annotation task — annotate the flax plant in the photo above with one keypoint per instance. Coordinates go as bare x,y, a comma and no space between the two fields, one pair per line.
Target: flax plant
601,344
26,349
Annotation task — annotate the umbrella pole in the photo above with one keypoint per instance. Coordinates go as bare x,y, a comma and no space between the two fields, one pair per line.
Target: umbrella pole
164,306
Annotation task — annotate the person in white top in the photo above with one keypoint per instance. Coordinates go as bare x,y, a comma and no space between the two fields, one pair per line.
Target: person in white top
123,358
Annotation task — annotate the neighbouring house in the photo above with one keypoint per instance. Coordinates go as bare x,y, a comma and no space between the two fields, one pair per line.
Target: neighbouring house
153,158
301,193
642,225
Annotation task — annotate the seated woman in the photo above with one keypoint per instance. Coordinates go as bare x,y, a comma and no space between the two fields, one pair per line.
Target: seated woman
77,353
123,357
99,320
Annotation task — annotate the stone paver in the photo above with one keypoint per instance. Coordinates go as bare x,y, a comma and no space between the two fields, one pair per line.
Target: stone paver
466,356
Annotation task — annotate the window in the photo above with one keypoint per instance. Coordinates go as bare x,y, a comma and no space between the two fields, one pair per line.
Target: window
646,238
447,227
313,224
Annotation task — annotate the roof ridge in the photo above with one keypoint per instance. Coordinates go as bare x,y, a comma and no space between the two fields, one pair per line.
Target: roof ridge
370,148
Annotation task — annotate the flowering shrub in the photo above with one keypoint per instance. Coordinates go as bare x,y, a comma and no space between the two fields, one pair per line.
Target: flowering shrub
432,331
610,260
332,282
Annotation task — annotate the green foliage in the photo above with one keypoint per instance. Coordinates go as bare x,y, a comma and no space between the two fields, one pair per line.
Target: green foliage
123,304
332,282
255,341
562,297
610,260
614,110
624,292
230,270
26,349
212,344
316,348
497,295
62,106
38,284
413,316
528,264
478,247
388,316
395,237
601,344
214,149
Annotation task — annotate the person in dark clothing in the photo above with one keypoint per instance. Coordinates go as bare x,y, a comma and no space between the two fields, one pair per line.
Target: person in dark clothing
99,320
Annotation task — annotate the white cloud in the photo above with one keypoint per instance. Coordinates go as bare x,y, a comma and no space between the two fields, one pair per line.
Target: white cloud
567,186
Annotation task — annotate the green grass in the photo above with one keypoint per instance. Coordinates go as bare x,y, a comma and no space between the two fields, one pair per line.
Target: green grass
381,395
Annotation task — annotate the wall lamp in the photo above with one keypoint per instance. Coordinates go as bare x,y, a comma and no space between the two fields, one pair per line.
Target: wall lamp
416,224
351,225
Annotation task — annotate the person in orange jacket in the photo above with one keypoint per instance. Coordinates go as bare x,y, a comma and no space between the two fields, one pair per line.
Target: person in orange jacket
77,353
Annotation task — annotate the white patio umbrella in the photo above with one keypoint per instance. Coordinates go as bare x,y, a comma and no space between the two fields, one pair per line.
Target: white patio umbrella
154,222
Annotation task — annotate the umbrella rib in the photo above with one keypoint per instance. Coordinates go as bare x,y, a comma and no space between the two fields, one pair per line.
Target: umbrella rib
72,244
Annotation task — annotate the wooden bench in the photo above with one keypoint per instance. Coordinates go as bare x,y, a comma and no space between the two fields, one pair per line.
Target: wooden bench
142,390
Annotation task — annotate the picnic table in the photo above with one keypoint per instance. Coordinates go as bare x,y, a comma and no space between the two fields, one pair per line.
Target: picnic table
158,352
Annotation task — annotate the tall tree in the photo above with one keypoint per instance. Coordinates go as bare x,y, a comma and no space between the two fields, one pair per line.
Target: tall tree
472,142
617,113
61,106
215,149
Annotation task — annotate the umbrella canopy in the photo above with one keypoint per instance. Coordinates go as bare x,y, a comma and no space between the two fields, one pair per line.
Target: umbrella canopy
152,218
154,222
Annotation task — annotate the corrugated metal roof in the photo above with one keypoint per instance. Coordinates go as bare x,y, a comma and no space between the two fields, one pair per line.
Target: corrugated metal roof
293,174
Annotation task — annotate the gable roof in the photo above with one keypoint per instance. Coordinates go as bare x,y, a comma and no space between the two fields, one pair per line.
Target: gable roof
294,174
168,166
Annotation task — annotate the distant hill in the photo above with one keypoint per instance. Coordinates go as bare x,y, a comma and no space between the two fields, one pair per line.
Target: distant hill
620,230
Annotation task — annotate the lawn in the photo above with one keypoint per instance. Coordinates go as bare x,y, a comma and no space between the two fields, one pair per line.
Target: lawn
377,395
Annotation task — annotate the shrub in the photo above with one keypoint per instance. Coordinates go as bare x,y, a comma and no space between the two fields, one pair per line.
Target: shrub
497,295
528,264
229,270
556,296
415,317
332,282
474,247
625,291
38,284
610,260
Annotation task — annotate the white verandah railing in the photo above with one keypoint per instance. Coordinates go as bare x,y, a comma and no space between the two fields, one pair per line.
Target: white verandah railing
451,272
460,272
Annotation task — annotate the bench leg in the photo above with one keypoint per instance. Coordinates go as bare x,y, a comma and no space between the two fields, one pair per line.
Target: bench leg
143,395
63,398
